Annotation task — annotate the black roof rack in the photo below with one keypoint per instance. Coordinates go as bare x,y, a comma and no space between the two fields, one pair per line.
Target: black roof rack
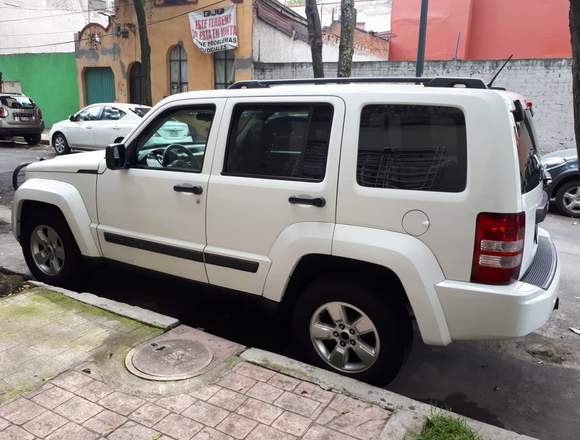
469,83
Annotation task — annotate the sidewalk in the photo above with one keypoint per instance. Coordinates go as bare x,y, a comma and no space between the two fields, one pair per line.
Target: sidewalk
85,391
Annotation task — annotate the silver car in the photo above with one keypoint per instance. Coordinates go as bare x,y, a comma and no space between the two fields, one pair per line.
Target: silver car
20,116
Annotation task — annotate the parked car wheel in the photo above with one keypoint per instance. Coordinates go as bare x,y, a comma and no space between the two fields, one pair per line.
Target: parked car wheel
50,249
60,144
568,198
33,140
348,328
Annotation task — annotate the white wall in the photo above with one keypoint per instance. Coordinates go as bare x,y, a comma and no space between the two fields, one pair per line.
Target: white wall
36,26
273,46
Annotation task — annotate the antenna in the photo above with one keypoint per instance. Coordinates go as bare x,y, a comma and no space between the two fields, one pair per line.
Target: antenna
490,84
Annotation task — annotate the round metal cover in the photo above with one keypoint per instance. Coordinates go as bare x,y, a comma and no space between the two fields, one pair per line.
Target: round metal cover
172,359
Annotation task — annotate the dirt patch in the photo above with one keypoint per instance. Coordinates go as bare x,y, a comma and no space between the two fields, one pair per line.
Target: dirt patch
11,283
546,353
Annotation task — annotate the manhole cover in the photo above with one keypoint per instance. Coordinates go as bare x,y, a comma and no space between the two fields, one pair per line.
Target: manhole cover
171,359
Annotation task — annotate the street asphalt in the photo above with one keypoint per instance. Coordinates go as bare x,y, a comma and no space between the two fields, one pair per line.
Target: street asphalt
530,385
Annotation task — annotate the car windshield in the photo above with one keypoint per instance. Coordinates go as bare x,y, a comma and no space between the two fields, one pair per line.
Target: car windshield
140,111
16,101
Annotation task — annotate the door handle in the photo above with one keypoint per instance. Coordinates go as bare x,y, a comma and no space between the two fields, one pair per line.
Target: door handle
188,188
319,202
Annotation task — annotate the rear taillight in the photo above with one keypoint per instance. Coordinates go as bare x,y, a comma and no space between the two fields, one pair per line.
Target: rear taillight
499,247
3,112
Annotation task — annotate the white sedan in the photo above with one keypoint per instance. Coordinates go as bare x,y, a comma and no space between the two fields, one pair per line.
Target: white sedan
96,126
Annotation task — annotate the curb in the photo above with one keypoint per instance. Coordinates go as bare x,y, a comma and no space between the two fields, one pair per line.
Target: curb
144,316
408,414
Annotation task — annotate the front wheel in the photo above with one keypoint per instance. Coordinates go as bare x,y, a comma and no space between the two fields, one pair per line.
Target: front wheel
33,139
352,329
60,144
568,198
50,249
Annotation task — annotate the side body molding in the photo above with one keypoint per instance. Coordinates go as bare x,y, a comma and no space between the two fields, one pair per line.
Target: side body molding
414,264
65,197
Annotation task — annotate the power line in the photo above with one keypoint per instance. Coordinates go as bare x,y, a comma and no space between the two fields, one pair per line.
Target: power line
81,11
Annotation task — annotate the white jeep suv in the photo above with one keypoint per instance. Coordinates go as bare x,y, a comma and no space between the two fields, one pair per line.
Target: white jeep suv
357,207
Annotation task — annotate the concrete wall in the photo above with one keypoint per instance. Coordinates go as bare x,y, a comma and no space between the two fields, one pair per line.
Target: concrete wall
547,83
49,79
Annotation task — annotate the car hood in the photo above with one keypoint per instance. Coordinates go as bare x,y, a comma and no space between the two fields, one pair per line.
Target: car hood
71,163
569,153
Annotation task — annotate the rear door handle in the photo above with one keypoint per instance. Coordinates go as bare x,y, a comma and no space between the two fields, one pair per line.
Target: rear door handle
188,188
319,202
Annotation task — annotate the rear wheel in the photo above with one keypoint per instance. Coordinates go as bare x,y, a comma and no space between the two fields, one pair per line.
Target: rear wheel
568,198
50,249
60,144
33,139
352,329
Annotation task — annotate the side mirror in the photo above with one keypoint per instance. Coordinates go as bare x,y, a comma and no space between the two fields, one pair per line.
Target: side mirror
72,118
115,156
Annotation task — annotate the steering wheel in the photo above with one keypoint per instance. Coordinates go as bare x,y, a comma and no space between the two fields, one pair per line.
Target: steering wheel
170,155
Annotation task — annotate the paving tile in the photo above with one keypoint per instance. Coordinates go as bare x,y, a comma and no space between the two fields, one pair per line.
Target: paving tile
71,380
176,403
265,392
237,382
211,434
354,417
133,431
105,422
205,392
205,413
78,410
3,424
300,405
52,397
317,432
20,411
227,399
254,371
263,432
259,411
94,391
237,426
15,433
148,414
314,392
178,427
72,431
121,403
283,382
44,424
37,391
292,423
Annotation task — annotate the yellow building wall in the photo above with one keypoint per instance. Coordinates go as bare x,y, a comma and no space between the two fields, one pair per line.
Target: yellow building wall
168,26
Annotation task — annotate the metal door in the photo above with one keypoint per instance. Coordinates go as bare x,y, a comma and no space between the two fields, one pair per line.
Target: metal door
99,85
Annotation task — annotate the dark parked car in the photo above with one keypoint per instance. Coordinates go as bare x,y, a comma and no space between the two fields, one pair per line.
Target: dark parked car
564,189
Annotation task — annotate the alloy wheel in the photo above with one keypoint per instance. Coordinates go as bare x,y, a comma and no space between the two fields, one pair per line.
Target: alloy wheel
571,199
59,144
344,337
47,250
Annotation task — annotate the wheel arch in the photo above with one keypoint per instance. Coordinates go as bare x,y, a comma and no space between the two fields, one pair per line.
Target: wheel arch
569,177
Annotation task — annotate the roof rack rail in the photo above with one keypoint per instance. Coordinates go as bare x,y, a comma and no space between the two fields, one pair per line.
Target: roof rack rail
469,83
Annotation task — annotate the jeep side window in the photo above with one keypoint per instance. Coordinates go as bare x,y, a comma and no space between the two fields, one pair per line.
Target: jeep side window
412,147
279,141
176,140
530,166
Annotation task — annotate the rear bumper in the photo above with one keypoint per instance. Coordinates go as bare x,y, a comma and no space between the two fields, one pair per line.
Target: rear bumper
480,311
22,131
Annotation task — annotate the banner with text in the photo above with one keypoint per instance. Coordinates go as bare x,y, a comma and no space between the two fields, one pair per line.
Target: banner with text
214,30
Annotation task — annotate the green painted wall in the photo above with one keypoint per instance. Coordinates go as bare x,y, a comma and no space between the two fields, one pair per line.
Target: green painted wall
50,79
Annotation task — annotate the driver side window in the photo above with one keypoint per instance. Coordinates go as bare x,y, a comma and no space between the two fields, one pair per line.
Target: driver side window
176,140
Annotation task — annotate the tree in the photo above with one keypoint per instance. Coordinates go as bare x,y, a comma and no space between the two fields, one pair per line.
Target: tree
314,38
575,36
346,47
145,52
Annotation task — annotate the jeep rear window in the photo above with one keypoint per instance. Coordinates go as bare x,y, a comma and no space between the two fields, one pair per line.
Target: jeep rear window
17,101
412,147
530,166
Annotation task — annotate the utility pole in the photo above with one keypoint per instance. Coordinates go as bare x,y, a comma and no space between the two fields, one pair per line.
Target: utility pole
422,35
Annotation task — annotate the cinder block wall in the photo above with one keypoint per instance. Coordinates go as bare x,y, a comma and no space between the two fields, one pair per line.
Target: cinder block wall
546,82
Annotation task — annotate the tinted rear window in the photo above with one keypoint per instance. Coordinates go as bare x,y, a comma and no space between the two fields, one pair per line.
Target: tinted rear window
17,101
412,147
530,166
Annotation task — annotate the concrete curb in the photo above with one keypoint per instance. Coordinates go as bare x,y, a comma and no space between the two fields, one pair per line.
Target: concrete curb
409,414
144,316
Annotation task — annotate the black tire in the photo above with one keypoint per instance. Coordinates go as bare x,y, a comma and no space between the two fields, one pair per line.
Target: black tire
60,148
388,314
73,267
33,139
560,202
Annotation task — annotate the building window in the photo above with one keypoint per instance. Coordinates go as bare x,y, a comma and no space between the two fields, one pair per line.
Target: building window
223,68
178,70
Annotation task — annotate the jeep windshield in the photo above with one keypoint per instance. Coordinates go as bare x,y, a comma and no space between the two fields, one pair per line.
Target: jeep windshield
17,101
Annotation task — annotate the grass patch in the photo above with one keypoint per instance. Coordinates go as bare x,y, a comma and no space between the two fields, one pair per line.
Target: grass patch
444,427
